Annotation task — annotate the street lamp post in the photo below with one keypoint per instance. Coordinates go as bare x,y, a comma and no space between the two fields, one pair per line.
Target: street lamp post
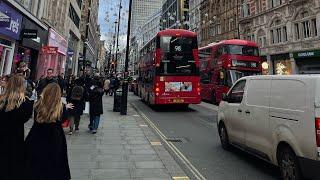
124,99
114,41
116,63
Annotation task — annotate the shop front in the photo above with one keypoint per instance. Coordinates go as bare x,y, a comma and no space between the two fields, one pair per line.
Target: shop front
10,28
33,38
308,62
281,64
55,61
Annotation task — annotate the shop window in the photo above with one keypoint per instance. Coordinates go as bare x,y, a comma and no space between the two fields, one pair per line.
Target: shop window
282,67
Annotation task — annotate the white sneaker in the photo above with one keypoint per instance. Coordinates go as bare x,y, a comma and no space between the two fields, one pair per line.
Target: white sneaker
70,133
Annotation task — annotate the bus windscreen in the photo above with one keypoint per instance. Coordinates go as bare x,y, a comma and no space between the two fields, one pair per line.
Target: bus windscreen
177,56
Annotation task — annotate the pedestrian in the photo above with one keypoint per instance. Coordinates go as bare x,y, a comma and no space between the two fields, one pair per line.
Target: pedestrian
46,147
62,82
74,115
96,108
69,86
106,86
47,80
3,83
28,83
15,110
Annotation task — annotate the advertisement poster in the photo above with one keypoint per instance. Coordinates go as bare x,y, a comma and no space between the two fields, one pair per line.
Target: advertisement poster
178,86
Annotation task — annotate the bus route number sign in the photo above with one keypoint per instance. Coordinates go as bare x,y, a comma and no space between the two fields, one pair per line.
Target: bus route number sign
178,48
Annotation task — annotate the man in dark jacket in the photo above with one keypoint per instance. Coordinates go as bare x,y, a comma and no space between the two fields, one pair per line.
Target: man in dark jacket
47,80
96,108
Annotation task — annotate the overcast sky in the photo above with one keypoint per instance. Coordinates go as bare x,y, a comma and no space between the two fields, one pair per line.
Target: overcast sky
108,14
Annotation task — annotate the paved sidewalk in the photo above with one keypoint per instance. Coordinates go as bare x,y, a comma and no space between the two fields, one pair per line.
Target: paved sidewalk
120,150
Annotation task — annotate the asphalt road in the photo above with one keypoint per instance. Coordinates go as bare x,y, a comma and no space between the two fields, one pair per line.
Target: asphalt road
196,128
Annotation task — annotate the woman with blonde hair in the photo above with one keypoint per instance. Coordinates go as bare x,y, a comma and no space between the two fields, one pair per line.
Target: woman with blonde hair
46,147
15,110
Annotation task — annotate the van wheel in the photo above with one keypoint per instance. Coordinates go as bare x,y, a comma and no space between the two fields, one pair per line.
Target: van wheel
288,164
224,138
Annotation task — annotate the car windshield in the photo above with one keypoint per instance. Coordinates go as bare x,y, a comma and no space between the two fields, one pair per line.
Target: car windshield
243,50
177,55
235,75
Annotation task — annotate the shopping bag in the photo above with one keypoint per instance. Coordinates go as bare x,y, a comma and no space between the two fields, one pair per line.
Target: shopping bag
86,110
66,123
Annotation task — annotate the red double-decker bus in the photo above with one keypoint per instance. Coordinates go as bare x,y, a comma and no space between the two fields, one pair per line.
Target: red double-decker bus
169,69
223,63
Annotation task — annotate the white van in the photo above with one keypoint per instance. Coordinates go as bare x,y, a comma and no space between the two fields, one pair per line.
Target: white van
276,118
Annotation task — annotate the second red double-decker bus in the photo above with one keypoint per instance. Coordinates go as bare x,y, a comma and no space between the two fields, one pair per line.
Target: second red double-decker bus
223,63
169,69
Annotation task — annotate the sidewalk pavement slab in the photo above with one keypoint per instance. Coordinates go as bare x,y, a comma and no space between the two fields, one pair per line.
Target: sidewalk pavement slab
121,150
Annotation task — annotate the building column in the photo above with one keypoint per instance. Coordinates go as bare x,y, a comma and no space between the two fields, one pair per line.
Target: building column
270,64
294,66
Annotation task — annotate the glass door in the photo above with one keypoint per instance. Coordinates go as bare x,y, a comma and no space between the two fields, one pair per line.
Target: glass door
4,61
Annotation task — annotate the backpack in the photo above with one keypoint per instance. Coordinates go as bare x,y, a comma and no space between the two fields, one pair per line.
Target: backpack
77,93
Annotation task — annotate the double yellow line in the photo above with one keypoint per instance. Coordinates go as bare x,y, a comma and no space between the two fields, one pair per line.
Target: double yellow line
173,148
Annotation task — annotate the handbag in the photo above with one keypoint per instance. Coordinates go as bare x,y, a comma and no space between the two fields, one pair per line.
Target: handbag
86,110
65,123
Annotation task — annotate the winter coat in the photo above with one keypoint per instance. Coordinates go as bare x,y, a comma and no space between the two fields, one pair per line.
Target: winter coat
106,85
95,99
12,141
79,105
43,83
46,152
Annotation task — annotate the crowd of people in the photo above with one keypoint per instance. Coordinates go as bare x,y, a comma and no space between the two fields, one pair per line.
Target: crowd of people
42,155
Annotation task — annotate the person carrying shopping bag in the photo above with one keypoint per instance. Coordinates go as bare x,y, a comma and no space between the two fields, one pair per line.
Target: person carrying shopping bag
96,108
46,147
15,110
77,99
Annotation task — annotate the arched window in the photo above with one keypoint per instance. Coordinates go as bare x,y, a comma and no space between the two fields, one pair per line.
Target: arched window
278,32
262,38
248,35
245,8
305,25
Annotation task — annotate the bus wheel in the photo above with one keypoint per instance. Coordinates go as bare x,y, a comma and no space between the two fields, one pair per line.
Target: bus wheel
213,98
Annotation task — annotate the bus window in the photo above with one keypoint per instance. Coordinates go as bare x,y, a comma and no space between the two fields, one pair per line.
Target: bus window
235,75
205,78
224,78
178,55
243,50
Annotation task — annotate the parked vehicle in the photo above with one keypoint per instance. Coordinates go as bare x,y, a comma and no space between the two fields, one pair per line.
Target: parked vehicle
223,63
276,118
169,69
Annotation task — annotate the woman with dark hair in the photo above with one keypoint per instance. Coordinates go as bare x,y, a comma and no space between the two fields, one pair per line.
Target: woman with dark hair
15,110
96,108
46,147
77,99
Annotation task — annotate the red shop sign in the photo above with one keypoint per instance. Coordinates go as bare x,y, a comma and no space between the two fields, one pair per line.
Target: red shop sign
49,50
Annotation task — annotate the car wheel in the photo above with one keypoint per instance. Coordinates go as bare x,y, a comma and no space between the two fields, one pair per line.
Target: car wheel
288,164
224,138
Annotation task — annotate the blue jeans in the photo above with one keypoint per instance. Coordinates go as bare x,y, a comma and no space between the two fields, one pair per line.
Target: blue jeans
94,122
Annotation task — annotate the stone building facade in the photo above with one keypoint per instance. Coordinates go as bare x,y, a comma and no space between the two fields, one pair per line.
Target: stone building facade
287,31
218,20
90,33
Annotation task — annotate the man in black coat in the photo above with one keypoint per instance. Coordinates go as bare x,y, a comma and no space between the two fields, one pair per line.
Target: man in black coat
47,80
